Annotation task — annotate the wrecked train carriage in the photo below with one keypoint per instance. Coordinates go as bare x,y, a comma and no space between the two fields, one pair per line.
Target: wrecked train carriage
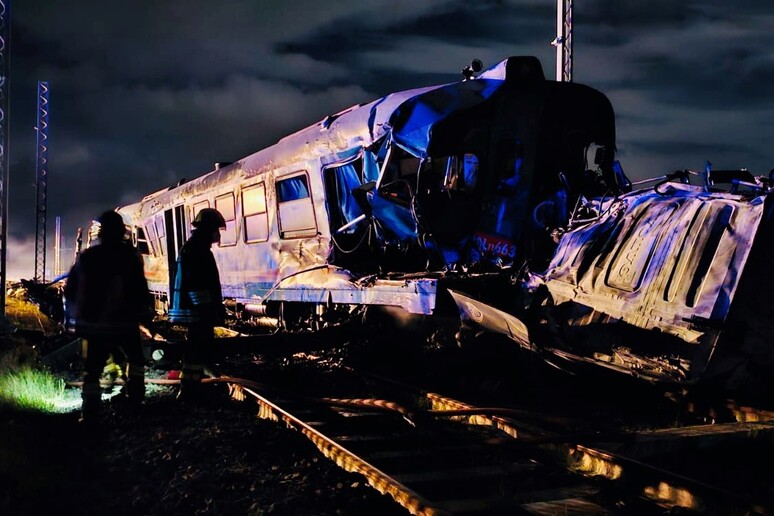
670,284
387,203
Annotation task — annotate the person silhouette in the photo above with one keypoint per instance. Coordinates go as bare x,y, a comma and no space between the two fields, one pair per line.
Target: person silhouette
106,298
197,301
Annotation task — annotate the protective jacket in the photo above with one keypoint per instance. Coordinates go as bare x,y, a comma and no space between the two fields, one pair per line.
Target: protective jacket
196,295
106,292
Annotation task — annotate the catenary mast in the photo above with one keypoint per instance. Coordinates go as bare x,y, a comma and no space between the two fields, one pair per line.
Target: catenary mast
41,181
563,41
5,66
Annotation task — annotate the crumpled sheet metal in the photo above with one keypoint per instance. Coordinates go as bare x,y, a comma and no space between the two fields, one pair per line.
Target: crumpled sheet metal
492,319
329,284
669,262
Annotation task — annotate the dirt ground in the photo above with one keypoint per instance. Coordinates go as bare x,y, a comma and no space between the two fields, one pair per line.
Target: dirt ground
171,458
211,457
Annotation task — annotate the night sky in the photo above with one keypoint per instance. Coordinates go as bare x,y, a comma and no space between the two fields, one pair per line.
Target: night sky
144,93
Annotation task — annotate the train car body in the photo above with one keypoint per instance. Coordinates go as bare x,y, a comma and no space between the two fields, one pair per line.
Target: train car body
372,205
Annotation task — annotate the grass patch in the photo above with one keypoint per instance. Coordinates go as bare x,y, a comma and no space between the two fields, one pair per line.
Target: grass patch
34,389
24,384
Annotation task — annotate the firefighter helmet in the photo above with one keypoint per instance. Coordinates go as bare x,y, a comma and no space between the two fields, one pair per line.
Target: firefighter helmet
111,226
209,218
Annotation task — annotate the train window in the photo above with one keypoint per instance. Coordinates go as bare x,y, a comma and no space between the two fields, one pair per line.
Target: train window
343,208
199,206
150,233
142,242
225,205
454,173
292,189
161,233
295,209
511,168
408,166
398,180
256,220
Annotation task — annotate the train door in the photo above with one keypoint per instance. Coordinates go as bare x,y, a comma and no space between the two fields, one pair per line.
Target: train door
299,244
345,216
174,222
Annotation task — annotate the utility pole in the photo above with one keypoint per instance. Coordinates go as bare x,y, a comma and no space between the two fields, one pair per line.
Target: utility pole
5,91
563,41
41,181
57,247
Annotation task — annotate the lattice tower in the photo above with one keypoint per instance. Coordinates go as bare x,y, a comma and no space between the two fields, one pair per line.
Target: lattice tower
563,41
5,59
41,182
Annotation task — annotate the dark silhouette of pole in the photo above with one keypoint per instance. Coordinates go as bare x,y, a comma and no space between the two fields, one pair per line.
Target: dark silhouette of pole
5,67
41,180
563,41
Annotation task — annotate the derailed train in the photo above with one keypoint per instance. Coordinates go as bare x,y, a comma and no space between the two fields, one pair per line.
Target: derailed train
500,193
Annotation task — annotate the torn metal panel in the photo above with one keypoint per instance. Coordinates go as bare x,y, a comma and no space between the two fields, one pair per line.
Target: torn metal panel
492,319
668,262
644,288
414,120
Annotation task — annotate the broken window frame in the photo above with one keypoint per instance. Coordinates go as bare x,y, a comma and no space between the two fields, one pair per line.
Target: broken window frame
351,216
141,241
161,233
150,232
392,171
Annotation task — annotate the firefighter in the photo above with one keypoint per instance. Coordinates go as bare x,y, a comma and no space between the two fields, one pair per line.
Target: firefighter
197,301
107,297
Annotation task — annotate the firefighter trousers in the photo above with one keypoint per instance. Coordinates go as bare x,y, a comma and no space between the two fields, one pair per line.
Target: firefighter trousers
127,347
199,353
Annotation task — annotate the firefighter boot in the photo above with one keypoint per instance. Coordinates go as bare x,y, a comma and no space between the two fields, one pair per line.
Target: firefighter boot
91,396
135,384
191,382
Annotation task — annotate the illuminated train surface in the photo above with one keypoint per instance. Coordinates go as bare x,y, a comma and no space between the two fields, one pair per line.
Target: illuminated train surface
498,200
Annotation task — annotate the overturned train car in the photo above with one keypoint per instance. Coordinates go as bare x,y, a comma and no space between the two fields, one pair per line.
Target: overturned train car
457,194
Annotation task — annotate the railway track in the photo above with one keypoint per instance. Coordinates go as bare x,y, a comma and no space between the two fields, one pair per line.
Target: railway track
437,455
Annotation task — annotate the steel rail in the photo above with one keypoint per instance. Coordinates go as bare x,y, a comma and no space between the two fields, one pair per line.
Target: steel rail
658,484
344,458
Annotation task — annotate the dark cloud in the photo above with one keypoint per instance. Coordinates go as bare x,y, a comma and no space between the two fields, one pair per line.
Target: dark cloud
732,78
701,149
144,93
625,14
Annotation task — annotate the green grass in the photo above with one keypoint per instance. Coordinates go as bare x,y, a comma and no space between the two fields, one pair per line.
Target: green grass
24,384
34,389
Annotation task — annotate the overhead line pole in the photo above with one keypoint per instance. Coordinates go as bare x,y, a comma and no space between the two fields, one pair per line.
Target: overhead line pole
41,176
5,92
563,41
57,246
